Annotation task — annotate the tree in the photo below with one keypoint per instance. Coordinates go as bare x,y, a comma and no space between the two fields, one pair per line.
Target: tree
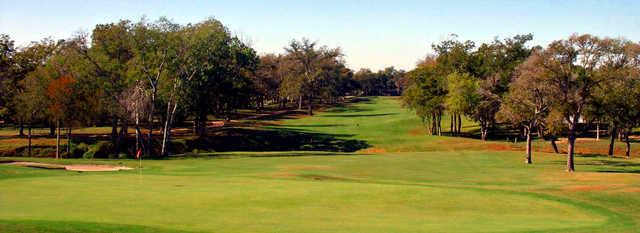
426,96
22,61
617,99
268,78
570,67
151,53
383,82
110,54
527,102
7,56
461,98
307,69
494,65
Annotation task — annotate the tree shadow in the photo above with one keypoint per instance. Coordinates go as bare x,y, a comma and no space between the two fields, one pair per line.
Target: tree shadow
613,165
312,126
359,115
250,139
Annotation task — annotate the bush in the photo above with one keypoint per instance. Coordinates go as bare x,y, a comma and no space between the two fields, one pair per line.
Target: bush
43,152
123,156
65,155
178,146
103,149
89,154
79,150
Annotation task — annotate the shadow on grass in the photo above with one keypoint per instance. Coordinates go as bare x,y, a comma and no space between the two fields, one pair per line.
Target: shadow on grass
249,139
75,226
312,125
359,115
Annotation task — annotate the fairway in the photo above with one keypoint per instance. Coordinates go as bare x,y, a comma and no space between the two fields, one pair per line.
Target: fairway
403,181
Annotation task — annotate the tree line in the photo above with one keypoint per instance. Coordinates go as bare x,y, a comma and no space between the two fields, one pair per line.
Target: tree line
548,91
151,75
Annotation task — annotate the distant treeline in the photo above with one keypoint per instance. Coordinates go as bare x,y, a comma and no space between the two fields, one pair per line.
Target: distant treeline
152,74
549,90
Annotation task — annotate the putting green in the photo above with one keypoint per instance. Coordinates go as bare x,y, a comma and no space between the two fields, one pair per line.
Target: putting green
304,204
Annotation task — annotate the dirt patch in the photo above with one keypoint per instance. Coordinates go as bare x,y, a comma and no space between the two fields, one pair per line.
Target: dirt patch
73,167
375,150
415,132
498,147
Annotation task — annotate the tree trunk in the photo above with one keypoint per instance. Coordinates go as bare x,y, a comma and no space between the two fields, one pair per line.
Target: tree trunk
597,131
483,130
452,123
300,103
150,137
626,140
200,124
612,141
167,128
52,129
571,146
310,105
21,128
69,141
528,155
114,130
58,139
29,137
439,124
554,145
121,136
138,133
459,130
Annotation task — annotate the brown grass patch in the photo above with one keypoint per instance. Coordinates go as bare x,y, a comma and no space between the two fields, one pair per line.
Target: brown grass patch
498,147
374,150
282,175
415,132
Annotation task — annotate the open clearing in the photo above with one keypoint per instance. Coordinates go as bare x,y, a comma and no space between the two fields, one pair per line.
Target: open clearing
402,181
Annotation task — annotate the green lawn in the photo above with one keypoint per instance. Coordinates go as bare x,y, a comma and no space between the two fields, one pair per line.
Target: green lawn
404,181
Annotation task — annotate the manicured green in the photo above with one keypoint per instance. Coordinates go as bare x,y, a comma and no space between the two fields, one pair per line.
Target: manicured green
404,181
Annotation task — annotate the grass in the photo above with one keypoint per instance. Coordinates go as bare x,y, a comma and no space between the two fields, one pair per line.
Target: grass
404,182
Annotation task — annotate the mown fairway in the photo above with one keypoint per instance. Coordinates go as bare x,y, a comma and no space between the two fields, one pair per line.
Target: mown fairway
403,182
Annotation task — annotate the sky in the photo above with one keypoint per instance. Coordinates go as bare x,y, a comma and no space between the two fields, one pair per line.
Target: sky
372,34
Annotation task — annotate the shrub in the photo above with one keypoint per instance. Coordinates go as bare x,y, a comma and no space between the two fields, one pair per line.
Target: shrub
178,146
79,150
64,154
103,149
89,154
44,152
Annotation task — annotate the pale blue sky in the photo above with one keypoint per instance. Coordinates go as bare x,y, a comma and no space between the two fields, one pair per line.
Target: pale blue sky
372,34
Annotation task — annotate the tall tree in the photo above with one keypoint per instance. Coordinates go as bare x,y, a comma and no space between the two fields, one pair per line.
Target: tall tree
426,96
308,67
617,99
570,67
527,102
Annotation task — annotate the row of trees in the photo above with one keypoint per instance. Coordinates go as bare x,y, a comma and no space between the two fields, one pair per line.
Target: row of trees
551,90
151,74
